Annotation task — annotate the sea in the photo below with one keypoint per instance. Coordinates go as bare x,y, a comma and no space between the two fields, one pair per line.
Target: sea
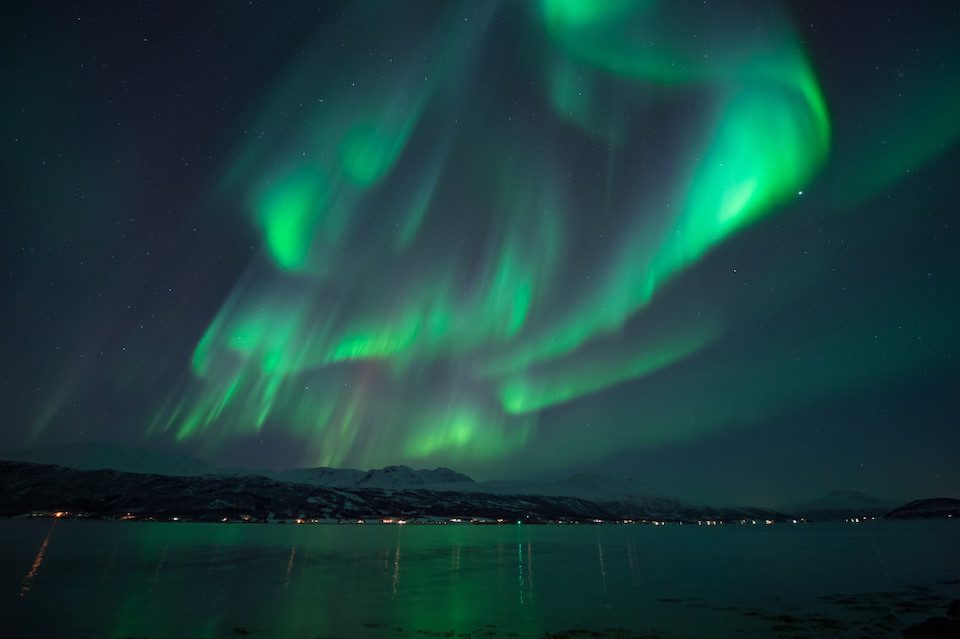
81,578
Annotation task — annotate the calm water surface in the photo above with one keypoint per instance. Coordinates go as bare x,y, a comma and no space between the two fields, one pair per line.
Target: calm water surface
122,579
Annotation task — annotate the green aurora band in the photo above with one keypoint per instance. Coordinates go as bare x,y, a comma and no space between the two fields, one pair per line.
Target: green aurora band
446,255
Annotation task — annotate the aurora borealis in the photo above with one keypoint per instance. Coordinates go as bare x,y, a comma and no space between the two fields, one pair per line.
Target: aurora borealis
676,240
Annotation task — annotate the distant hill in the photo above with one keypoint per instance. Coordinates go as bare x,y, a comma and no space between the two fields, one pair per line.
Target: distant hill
927,509
582,485
840,504
98,456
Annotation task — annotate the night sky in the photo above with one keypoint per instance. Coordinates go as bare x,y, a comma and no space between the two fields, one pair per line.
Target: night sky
713,246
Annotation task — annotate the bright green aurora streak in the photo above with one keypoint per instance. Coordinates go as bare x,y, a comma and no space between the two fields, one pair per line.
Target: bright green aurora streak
446,256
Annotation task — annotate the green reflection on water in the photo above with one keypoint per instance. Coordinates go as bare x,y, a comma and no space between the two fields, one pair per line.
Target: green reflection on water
115,579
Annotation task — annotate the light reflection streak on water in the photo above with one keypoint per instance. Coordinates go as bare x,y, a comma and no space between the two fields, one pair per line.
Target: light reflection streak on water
293,556
110,561
500,564
455,560
25,586
159,568
520,564
396,562
214,558
632,563
530,569
603,570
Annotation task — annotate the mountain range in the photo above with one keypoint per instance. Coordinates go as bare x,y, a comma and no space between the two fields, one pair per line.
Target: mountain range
101,456
106,480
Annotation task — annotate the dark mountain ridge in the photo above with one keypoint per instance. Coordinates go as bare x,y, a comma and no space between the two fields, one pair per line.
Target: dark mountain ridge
840,504
938,507
338,493
27,489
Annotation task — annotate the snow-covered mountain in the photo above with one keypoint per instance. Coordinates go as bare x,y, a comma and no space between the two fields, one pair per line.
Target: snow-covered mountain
590,486
391,477
840,504
596,486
